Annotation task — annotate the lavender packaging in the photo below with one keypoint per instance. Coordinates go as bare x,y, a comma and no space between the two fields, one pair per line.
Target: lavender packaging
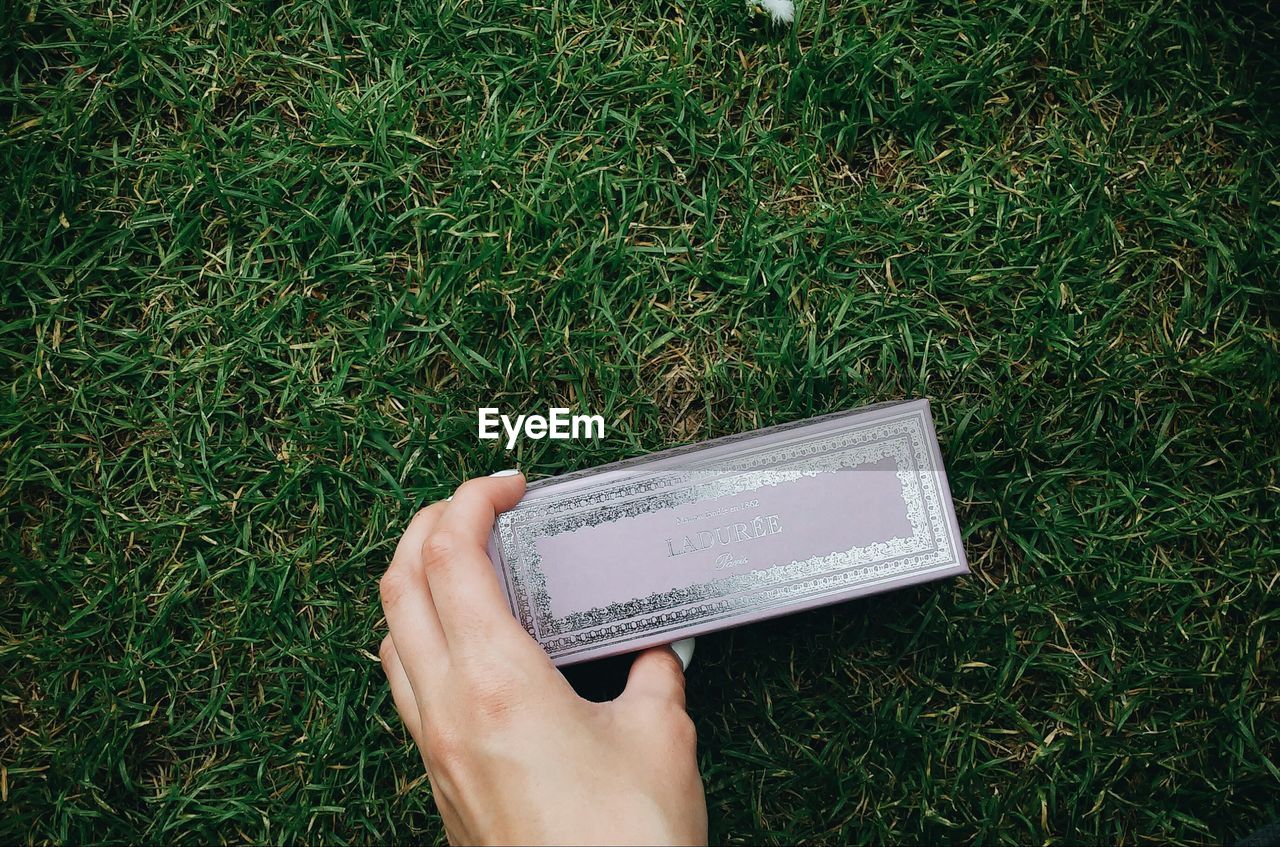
728,532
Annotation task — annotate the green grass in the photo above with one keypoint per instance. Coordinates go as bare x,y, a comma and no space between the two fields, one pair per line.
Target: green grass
261,263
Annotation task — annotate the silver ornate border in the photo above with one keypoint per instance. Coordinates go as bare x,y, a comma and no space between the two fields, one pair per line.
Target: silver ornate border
902,438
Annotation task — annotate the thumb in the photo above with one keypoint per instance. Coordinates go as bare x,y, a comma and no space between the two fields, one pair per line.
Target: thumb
656,673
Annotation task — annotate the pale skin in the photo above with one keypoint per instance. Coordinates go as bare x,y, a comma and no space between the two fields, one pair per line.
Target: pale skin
513,755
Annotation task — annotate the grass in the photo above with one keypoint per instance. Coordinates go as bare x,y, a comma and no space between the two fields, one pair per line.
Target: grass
261,263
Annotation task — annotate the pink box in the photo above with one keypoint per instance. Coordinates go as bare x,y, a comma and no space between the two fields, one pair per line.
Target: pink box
727,532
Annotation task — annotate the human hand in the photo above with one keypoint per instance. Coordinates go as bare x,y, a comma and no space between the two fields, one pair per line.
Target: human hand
512,753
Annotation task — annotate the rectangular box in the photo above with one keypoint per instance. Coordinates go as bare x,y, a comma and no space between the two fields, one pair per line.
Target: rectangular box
727,532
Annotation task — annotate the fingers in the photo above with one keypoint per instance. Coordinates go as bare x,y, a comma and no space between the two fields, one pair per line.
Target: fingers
401,690
477,502
410,609
684,651
464,584
656,673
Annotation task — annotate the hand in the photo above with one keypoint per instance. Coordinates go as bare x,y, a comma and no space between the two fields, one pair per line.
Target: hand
512,753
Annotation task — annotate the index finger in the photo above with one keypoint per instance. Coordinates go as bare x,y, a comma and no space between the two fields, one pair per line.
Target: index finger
464,584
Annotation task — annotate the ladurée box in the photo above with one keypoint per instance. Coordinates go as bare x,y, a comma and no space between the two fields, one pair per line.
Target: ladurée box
730,531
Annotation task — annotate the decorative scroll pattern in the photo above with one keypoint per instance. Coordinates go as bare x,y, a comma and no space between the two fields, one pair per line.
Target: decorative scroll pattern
902,439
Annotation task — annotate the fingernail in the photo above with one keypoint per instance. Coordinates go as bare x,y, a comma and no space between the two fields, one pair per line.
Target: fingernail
447,499
684,651
508,472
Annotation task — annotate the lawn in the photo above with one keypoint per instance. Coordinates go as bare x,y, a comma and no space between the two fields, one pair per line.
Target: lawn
263,262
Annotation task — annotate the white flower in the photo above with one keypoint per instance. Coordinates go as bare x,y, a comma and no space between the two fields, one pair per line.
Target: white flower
782,11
